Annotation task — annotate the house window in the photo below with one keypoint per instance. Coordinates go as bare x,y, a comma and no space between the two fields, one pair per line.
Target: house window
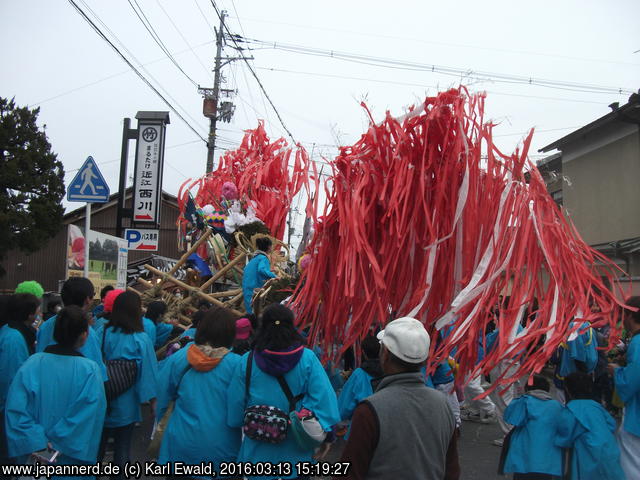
557,197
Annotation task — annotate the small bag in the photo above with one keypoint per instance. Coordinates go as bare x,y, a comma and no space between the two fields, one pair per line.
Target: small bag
121,373
306,429
266,423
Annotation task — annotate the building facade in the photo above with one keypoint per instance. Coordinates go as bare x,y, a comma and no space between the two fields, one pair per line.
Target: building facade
596,178
48,265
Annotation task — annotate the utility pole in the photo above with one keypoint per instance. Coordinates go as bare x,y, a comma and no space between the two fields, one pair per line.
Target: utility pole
215,95
213,109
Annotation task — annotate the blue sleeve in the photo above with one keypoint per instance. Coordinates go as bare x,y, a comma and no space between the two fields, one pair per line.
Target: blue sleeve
78,435
491,341
92,350
236,401
162,333
44,337
264,268
24,434
627,379
149,329
169,379
568,429
148,384
516,412
320,397
354,391
14,354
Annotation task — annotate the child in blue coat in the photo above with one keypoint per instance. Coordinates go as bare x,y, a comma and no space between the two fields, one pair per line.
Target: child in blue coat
531,452
358,386
587,428
197,378
123,338
279,352
57,398
257,271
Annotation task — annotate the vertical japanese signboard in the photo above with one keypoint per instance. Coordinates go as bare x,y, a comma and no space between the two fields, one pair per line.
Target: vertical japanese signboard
147,190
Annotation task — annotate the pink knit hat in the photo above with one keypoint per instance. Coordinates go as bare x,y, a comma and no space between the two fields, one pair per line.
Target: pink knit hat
109,298
243,328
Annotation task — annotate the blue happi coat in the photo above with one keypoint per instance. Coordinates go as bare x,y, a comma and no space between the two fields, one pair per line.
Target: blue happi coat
150,329
125,409
587,427
13,353
162,333
200,410
90,350
581,349
57,399
627,381
307,377
532,450
356,388
257,271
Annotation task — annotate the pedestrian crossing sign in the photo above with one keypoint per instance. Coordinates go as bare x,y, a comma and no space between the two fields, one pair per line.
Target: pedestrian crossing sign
88,185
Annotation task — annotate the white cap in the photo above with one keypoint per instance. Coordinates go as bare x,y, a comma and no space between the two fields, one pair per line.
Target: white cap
407,339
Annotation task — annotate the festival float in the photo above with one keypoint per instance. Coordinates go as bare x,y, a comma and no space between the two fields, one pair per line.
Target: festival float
424,217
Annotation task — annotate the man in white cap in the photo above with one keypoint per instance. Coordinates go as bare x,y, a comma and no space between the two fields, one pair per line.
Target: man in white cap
405,429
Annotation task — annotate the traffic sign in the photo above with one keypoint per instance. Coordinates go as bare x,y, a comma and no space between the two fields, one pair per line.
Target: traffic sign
142,239
88,185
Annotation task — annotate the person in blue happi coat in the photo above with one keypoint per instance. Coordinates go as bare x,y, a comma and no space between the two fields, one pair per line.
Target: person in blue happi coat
195,320
75,291
358,386
280,351
98,310
588,429
153,324
17,342
57,398
124,338
578,353
196,378
627,383
257,271
107,307
531,453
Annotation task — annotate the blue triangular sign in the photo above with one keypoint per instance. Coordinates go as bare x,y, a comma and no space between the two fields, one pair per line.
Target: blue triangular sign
88,185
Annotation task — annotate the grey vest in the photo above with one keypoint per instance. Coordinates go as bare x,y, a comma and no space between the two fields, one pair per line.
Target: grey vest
416,426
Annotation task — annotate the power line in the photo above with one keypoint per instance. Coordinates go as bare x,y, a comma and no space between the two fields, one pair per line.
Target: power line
184,39
156,38
255,75
394,82
441,69
109,77
446,44
142,77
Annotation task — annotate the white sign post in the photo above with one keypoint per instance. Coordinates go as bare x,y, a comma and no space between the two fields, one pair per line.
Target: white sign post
88,186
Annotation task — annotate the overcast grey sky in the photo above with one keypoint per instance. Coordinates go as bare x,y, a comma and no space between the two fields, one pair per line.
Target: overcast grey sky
51,58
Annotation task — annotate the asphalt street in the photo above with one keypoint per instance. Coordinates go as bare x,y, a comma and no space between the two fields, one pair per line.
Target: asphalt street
478,456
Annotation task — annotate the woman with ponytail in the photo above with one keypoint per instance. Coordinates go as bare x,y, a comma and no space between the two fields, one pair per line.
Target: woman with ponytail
280,352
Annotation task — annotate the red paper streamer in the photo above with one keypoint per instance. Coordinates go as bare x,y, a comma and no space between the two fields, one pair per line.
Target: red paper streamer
425,217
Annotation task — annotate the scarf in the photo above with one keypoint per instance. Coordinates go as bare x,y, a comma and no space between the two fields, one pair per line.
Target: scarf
205,358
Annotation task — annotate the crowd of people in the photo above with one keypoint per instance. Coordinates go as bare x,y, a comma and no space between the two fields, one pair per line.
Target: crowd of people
251,396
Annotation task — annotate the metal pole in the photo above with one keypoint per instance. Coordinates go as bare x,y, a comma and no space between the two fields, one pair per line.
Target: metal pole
87,227
124,154
211,144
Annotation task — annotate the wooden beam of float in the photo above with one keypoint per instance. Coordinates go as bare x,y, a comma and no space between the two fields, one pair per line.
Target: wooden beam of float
185,257
189,288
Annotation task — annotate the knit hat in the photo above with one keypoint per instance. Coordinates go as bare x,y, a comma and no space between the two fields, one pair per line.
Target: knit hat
110,298
243,329
407,339
30,286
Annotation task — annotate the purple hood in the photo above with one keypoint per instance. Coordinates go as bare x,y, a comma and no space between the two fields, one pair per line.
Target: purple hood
278,363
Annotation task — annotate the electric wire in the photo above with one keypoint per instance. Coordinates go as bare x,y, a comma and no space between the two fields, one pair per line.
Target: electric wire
441,69
156,38
126,60
253,72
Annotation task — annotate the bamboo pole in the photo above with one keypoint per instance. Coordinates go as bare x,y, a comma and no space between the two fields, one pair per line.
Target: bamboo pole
189,288
223,270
